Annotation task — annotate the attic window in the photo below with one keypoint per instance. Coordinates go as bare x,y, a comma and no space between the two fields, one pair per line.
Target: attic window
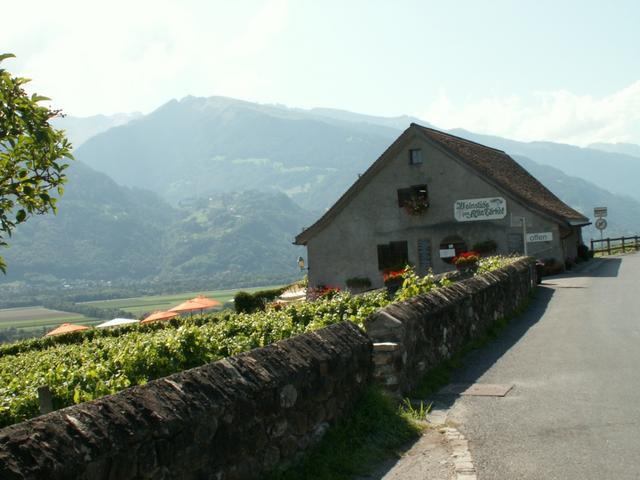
393,255
415,156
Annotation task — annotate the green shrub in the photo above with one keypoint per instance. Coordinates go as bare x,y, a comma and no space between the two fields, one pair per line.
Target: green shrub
584,253
252,302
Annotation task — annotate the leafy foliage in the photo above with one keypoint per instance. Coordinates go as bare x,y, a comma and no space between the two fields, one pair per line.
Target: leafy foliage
86,365
30,155
82,367
487,264
414,284
245,302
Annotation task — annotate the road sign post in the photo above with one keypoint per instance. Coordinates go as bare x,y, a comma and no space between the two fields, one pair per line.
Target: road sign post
600,212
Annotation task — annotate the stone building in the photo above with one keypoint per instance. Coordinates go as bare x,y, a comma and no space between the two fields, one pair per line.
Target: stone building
429,197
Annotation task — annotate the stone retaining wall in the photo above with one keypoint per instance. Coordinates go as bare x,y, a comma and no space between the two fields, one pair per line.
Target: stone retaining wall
244,415
231,419
412,337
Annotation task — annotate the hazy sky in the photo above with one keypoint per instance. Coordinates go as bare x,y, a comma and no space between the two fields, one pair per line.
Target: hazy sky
530,70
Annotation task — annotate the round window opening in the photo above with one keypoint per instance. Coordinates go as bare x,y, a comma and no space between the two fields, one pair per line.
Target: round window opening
450,247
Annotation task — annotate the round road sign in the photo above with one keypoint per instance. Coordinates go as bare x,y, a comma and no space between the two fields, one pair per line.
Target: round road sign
601,224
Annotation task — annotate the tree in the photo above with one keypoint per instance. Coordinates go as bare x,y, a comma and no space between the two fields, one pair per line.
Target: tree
31,155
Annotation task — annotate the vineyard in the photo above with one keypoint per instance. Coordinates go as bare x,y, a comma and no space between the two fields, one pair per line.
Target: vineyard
84,366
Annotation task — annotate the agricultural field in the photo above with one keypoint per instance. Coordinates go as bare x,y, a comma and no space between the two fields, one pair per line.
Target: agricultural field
38,320
35,318
140,305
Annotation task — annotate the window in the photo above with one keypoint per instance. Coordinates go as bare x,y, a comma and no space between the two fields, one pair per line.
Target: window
450,247
415,156
393,255
415,192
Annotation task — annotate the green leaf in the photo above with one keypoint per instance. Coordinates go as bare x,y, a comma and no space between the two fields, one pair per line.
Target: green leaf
21,215
4,56
38,98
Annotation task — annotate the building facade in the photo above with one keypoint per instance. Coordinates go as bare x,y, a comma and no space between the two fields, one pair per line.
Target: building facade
429,197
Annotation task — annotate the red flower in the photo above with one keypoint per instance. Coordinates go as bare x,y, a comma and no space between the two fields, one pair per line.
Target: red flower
393,274
466,257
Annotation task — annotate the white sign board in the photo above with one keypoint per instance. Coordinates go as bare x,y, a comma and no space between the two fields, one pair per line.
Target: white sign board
601,224
475,209
600,212
539,237
447,252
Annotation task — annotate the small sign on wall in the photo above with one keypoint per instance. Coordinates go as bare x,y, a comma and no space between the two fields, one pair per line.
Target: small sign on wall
476,209
539,237
447,252
600,212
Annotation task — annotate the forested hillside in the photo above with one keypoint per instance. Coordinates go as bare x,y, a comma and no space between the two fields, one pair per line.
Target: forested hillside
107,232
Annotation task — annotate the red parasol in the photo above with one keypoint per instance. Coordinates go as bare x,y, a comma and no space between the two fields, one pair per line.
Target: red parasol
66,328
159,315
199,303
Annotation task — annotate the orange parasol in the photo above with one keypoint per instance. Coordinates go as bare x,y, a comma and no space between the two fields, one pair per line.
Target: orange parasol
66,328
159,315
199,303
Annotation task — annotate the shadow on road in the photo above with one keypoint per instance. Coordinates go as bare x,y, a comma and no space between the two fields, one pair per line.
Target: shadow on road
477,362
598,267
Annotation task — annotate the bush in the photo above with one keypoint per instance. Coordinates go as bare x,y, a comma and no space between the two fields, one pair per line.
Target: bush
584,253
252,302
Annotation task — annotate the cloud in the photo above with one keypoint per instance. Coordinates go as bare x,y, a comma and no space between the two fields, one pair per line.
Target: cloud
121,56
560,116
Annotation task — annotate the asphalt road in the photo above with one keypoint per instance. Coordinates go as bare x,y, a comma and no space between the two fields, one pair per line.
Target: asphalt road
574,361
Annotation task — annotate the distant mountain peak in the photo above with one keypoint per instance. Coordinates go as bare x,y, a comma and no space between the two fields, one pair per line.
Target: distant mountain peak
631,149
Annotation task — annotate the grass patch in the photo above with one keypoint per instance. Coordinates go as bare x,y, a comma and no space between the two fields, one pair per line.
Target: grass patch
617,250
376,430
35,317
439,376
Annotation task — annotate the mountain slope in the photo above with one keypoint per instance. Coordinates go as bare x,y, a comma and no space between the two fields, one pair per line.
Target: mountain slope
624,211
197,147
106,232
625,148
80,129
237,235
101,231
615,172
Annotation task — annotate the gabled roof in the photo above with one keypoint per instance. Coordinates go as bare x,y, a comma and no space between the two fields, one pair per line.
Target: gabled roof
506,173
491,164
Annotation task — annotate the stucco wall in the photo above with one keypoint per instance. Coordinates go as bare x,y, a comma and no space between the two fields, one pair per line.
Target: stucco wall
347,246
228,420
